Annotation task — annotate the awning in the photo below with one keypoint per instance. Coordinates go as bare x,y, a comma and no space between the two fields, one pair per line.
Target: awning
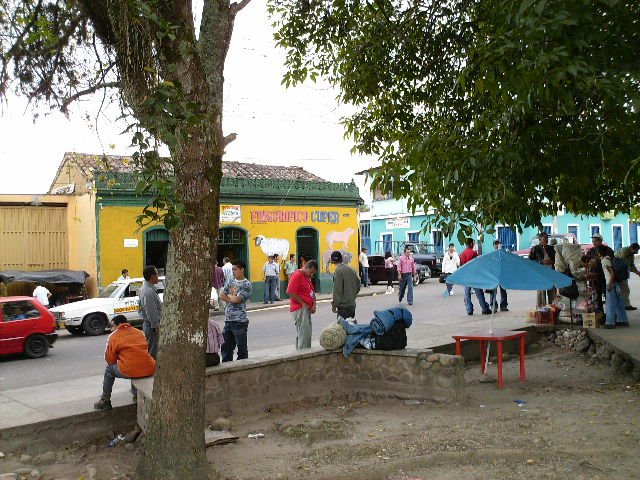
45,276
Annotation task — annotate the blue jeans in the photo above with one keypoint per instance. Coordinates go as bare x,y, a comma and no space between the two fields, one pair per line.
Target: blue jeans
480,294
406,280
234,334
365,276
110,374
270,288
614,307
503,299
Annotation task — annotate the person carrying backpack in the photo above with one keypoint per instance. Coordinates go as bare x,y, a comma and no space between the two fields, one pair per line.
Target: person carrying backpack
627,255
615,313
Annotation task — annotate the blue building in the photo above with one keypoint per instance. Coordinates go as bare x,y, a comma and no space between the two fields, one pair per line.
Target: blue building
390,220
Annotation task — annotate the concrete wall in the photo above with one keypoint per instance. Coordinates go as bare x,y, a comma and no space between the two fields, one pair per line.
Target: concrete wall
253,384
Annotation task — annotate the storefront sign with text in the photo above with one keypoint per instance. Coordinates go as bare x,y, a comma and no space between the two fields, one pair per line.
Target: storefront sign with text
294,216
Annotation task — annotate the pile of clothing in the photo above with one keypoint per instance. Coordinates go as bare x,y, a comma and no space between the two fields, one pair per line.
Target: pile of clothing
386,331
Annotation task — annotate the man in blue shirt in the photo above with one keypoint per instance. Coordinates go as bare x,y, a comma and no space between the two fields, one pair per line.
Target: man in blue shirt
236,293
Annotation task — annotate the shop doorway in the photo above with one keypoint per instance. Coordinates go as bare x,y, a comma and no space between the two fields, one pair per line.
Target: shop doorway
232,243
156,248
307,244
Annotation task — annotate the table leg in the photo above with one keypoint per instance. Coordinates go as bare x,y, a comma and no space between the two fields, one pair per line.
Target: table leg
499,342
483,353
458,347
523,375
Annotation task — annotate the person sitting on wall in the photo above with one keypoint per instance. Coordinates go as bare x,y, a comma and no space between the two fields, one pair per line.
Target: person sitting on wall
214,341
127,356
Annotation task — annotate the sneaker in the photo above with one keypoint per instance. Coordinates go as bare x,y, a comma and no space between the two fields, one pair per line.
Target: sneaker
451,293
102,404
410,303
630,308
609,327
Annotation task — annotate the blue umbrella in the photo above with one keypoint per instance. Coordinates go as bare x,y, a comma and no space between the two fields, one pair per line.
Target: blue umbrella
510,271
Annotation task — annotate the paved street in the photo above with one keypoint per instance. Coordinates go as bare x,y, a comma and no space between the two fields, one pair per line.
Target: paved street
270,330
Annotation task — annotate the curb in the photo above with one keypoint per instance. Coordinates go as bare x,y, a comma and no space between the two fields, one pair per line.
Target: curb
82,427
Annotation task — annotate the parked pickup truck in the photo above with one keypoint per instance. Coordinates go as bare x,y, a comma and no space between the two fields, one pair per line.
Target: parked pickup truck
92,316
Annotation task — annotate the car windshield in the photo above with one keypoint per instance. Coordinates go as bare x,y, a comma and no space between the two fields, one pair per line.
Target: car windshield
553,239
110,291
425,248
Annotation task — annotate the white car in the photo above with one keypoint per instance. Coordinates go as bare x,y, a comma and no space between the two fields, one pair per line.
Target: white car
92,316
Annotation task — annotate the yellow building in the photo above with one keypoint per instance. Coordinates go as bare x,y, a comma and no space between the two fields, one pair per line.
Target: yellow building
264,210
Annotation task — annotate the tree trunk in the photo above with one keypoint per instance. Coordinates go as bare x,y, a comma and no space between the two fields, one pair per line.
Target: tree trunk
175,447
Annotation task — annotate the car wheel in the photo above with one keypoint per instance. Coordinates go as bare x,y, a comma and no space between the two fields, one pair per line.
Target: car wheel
74,330
94,324
36,346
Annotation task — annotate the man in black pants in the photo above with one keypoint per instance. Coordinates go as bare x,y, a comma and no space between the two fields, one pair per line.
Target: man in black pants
599,283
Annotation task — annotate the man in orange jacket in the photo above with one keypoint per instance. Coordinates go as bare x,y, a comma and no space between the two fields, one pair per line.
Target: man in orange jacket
127,356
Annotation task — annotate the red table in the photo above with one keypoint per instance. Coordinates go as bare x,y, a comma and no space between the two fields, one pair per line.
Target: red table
497,336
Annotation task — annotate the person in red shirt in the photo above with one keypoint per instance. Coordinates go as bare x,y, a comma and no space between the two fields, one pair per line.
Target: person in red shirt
302,302
466,256
127,356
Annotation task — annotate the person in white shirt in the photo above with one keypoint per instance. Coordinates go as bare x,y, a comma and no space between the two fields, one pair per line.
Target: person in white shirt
227,269
364,264
42,294
450,264
124,277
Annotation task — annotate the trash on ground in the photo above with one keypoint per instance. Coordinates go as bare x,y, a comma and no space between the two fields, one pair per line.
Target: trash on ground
116,441
256,435
519,402
412,402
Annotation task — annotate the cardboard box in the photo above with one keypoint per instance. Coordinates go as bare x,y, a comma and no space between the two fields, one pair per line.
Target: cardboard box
545,318
590,320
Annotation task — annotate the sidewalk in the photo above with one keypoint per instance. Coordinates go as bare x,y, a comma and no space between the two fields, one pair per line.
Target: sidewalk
27,406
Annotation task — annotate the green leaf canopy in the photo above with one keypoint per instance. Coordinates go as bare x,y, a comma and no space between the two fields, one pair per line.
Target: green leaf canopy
487,111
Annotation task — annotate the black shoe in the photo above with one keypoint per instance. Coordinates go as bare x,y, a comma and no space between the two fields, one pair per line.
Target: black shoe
469,313
630,308
102,404
486,312
504,309
609,327
622,324
410,303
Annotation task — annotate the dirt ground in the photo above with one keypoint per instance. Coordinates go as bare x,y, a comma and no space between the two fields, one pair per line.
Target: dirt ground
580,421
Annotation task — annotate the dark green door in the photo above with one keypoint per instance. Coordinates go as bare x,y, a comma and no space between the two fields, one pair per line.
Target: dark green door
156,248
307,244
232,243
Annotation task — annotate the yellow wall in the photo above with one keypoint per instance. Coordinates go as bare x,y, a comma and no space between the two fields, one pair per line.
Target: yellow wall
332,223
81,221
118,223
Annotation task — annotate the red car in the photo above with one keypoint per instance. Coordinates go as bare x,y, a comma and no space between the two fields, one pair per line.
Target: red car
26,326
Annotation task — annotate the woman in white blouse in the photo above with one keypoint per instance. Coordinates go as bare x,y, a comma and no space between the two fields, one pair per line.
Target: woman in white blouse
450,264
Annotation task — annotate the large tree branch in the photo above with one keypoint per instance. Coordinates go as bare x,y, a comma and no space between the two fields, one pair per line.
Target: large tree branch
235,7
69,100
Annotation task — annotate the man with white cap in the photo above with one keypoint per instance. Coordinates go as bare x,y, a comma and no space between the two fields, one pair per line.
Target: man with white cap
599,283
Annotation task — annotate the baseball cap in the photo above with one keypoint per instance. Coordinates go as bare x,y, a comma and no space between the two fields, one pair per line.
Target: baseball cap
336,257
597,235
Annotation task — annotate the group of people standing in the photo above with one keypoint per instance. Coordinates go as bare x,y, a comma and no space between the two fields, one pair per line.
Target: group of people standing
452,261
